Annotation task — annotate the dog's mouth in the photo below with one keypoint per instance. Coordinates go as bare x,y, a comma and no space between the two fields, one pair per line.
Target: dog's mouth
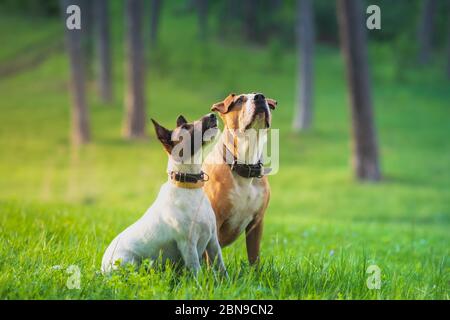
212,124
260,119
209,121
210,128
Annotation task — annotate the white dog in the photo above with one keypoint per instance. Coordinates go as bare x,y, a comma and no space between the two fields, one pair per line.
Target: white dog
180,225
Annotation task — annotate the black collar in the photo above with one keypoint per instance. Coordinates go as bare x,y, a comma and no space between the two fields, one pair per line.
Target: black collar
187,177
242,169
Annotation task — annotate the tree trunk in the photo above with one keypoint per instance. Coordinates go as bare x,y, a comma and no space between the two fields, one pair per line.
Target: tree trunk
202,7
305,35
448,52
425,35
80,132
353,45
228,16
87,37
103,50
250,16
135,118
276,4
154,23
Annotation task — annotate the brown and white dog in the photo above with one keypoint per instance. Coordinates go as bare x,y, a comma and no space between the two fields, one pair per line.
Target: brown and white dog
237,189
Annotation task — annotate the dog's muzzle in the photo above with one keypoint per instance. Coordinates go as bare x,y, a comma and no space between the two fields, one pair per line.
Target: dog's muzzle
260,104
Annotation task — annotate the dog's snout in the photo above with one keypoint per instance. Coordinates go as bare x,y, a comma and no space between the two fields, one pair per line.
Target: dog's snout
258,97
210,120
260,103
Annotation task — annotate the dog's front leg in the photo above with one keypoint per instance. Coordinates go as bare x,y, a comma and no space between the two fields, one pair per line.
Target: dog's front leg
189,254
214,253
253,234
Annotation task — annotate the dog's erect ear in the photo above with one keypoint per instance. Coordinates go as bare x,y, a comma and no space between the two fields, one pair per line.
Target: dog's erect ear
272,103
224,105
181,120
164,135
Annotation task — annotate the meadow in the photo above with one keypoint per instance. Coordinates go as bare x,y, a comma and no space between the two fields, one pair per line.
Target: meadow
61,206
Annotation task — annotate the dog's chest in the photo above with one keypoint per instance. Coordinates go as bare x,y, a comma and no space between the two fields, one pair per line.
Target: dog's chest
246,201
176,214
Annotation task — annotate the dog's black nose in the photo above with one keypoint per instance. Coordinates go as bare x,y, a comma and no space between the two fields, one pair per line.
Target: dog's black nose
258,97
212,116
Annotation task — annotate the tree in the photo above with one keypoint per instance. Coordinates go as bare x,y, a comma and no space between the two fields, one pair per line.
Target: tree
448,53
87,37
353,46
202,8
80,131
155,14
276,4
305,38
228,16
425,34
135,71
103,50
250,19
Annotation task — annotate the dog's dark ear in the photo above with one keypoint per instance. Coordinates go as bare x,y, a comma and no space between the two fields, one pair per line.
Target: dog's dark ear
272,103
181,120
224,105
164,135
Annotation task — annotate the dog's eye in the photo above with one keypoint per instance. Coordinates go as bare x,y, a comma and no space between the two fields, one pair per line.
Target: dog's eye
240,100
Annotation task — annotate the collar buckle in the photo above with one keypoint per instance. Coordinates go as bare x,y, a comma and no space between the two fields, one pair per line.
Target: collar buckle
261,169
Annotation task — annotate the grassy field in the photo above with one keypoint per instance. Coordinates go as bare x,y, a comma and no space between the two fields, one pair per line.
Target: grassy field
62,207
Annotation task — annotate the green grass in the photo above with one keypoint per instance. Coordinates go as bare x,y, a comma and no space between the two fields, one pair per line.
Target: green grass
62,207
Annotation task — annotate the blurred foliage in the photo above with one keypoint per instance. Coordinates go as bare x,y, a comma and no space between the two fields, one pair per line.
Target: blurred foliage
276,19
326,21
260,22
31,7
